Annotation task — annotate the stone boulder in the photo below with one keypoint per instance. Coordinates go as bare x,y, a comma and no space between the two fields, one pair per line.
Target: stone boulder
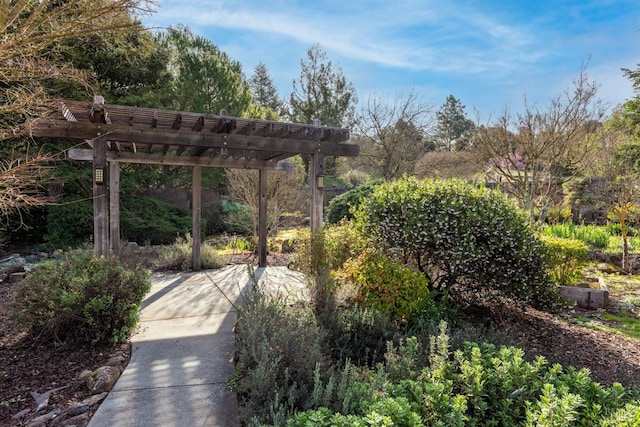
103,379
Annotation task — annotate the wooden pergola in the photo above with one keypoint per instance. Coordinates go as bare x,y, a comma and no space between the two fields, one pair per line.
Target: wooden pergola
116,133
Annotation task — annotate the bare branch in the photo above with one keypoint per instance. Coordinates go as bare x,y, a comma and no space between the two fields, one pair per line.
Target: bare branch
23,184
31,33
391,134
283,194
530,154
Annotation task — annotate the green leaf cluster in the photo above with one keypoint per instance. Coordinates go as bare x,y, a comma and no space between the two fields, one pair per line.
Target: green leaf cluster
480,385
81,300
386,285
342,206
143,219
565,259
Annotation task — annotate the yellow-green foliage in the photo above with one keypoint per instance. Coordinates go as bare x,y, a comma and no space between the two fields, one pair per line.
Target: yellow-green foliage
565,259
385,284
328,250
592,235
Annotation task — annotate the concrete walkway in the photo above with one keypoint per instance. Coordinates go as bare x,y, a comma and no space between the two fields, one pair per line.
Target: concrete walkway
182,355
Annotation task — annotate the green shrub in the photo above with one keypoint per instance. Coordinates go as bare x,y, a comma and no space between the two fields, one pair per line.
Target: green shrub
142,220
153,221
81,300
468,240
235,218
70,222
328,250
340,207
359,334
480,385
342,242
385,284
566,259
278,349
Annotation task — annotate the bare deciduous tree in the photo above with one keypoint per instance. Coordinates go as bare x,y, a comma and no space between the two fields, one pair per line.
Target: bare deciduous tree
447,164
616,164
21,184
391,134
532,152
283,194
31,36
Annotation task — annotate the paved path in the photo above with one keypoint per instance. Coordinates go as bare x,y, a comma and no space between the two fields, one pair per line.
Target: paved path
182,355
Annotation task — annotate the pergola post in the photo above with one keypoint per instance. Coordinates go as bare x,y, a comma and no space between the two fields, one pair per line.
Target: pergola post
316,182
100,199
262,217
196,203
114,207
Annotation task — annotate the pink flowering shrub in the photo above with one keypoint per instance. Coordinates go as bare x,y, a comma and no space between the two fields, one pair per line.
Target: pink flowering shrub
469,241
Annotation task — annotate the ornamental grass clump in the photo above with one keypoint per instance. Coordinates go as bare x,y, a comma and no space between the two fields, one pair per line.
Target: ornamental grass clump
469,241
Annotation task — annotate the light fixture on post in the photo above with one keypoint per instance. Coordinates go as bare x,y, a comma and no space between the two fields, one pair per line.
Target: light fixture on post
98,175
319,181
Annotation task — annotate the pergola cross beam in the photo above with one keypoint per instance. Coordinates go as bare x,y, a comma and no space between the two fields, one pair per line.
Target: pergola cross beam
123,134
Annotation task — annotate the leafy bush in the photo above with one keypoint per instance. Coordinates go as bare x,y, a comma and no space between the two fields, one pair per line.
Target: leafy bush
342,242
235,218
142,219
153,221
566,259
417,382
385,284
478,385
70,222
328,250
179,256
467,240
359,335
81,300
340,207
279,349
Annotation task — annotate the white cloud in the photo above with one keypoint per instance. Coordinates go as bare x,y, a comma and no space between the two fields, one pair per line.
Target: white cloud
484,47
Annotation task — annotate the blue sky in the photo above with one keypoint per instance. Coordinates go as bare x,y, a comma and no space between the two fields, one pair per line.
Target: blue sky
489,54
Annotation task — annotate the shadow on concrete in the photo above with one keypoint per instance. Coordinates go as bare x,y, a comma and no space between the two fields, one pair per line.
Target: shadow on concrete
182,354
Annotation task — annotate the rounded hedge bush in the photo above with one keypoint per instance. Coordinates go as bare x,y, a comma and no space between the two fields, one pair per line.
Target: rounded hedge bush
565,259
468,240
81,300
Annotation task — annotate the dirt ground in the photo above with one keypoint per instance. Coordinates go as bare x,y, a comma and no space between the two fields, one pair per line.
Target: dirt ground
25,368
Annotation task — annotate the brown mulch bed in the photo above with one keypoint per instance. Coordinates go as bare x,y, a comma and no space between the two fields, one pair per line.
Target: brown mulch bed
25,368
609,356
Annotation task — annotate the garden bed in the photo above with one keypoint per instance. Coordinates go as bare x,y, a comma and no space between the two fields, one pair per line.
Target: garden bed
587,297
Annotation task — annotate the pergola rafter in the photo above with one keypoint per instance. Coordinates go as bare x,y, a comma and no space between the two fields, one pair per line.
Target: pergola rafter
123,134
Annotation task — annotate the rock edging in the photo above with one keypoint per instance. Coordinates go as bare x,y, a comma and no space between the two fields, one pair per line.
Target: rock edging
77,414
